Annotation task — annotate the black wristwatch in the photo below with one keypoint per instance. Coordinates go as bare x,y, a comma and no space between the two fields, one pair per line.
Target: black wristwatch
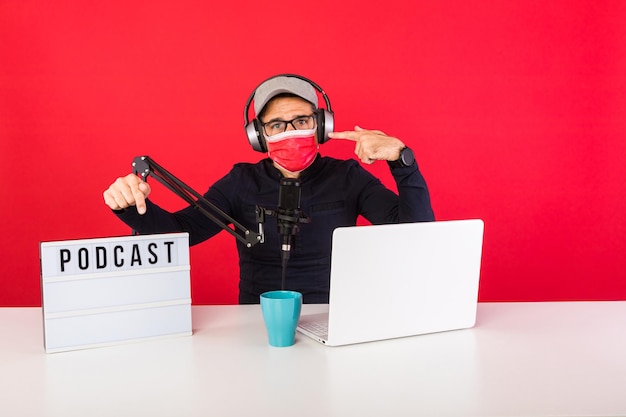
407,158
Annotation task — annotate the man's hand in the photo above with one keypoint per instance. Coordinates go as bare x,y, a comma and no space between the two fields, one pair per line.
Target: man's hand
372,145
127,191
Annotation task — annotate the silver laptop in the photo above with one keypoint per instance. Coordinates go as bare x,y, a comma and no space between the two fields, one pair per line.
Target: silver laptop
398,280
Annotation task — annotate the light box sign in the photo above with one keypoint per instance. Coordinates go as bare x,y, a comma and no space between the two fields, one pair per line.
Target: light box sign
99,292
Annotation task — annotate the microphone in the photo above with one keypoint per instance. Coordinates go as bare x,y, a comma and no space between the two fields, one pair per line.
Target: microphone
288,213
288,217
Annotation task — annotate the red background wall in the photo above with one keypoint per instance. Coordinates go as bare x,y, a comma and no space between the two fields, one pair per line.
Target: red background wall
516,111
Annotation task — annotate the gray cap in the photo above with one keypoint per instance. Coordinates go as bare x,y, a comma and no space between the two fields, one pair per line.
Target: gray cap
283,84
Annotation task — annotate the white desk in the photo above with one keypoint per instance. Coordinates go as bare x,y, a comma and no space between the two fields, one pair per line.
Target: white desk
526,359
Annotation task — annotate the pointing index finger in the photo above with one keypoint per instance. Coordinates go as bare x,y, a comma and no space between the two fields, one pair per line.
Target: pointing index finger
348,135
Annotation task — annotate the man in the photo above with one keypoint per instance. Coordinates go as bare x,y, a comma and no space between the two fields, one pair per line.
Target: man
333,192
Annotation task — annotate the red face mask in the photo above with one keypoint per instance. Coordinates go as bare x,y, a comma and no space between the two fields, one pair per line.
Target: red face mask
293,150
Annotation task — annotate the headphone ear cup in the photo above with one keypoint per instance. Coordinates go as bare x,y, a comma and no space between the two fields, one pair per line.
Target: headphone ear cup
325,125
255,137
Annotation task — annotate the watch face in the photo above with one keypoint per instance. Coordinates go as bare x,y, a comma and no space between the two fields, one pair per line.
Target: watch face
407,157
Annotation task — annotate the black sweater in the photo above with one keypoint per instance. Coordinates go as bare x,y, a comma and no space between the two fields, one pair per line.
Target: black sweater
333,193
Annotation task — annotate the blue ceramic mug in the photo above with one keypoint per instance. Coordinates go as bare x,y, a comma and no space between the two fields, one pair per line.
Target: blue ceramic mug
281,312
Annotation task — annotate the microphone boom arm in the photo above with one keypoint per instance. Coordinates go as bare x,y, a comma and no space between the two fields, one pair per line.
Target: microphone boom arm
144,166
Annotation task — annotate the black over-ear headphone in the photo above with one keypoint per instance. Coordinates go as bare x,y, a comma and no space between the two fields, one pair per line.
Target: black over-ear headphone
254,129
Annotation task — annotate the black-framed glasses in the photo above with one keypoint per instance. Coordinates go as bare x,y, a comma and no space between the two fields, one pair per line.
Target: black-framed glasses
275,127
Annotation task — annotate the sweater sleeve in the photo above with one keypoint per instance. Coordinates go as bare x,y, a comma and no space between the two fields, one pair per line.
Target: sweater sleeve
414,198
379,205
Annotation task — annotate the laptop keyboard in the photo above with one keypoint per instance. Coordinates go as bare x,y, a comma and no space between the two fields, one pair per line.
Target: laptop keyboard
319,328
